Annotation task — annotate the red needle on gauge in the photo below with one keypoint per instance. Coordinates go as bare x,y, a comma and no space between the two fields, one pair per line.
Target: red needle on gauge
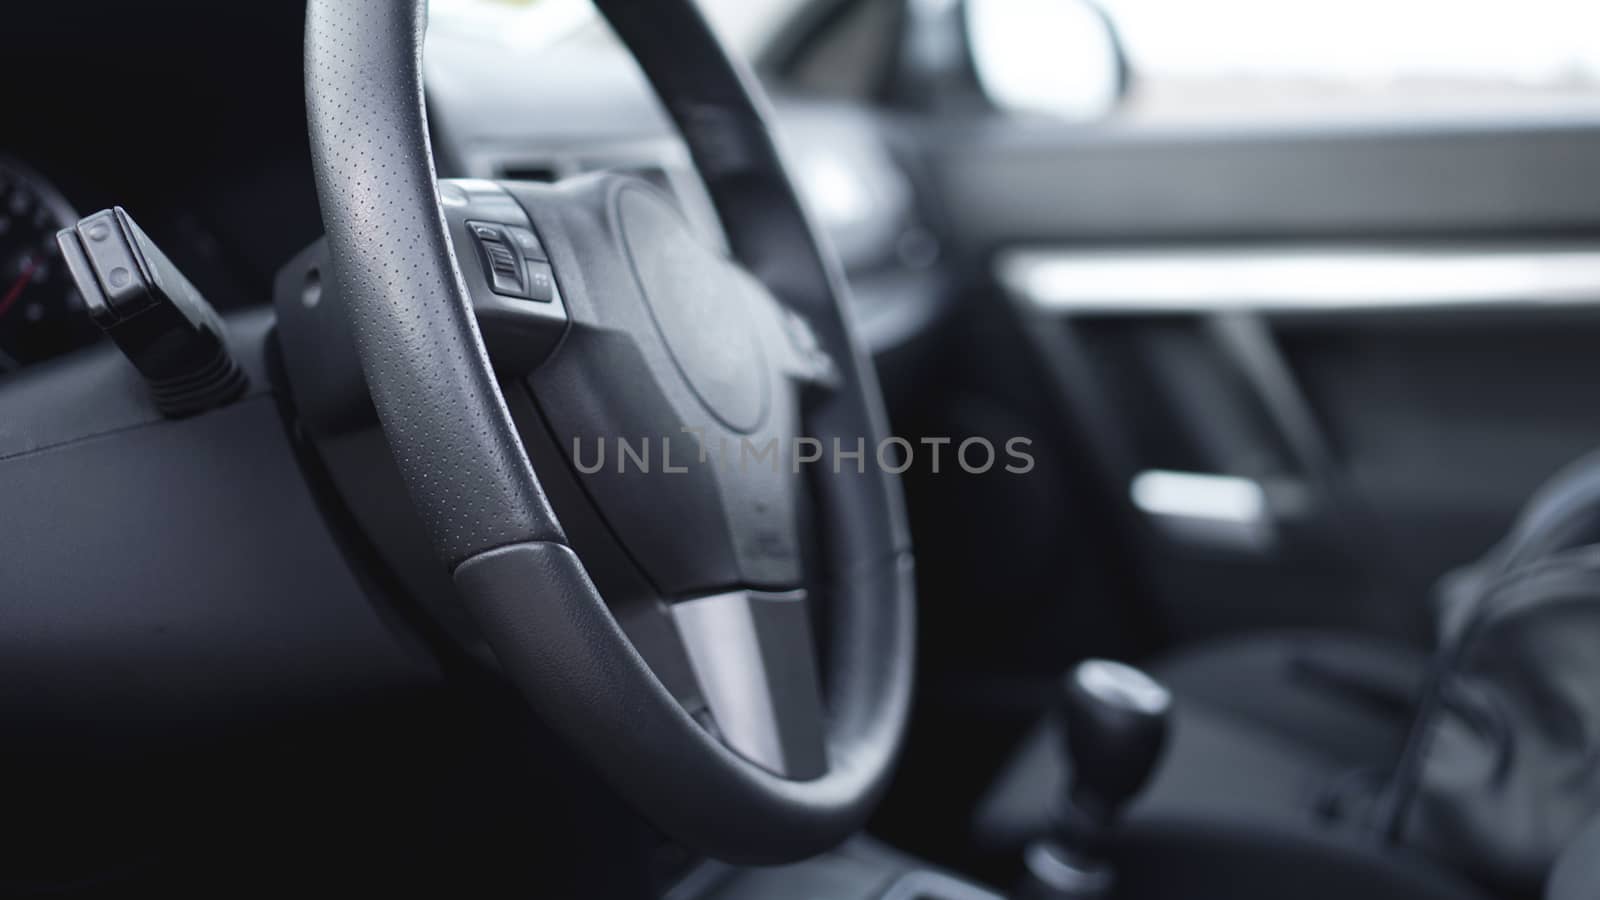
16,288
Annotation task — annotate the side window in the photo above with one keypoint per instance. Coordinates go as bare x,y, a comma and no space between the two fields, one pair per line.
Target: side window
1280,59
1305,60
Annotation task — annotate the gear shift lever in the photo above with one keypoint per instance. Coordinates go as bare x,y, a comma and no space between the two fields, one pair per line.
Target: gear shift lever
1114,728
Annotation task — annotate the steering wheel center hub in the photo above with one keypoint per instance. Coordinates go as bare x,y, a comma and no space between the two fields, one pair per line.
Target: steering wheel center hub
702,318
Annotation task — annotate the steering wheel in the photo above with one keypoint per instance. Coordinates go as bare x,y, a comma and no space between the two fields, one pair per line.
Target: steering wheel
740,371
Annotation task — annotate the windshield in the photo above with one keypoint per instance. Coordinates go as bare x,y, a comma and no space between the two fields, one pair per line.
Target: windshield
745,24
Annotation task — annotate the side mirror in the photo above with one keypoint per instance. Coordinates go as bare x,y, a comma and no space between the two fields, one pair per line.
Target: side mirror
1062,58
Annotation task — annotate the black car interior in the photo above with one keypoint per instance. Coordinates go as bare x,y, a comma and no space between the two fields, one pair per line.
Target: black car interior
311,316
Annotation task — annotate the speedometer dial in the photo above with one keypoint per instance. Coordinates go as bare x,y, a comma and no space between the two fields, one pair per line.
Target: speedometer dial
41,313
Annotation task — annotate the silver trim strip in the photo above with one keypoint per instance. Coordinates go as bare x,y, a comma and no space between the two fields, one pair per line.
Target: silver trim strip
1053,866
1202,508
751,652
1196,495
1306,279
719,632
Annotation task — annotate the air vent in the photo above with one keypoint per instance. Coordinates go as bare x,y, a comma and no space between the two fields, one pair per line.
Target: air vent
653,174
528,172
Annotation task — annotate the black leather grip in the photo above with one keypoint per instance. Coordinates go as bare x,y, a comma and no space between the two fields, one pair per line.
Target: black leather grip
418,341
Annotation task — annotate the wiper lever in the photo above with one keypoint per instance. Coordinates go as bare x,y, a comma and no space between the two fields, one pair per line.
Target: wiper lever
159,320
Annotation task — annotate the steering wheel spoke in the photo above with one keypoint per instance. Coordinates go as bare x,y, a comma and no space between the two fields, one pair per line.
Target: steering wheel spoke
753,655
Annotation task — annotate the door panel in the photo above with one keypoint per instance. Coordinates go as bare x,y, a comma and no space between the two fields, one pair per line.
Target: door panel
1445,424
1314,369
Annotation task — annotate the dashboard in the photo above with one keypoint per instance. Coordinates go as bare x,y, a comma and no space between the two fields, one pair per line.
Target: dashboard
500,109
41,313
206,146
220,176
202,141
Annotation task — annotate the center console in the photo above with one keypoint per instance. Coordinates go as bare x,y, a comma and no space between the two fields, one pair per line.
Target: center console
862,869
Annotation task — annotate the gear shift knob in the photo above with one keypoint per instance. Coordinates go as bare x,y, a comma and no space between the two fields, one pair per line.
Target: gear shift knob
1116,727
